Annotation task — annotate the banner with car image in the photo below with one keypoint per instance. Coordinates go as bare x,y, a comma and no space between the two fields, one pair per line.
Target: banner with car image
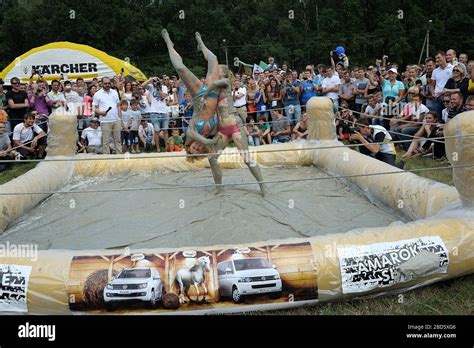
192,279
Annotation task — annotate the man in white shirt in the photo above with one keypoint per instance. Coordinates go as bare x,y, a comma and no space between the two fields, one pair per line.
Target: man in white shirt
73,100
440,76
330,87
156,94
240,100
56,96
107,105
28,138
93,135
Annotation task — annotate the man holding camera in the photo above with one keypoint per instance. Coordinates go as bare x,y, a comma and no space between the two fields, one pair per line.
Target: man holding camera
290,92
156,94
379,143
39,100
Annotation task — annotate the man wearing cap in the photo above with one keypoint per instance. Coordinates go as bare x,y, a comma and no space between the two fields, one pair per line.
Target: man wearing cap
107,105
93,136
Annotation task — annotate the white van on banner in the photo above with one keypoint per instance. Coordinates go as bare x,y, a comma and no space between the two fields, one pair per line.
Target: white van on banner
68,61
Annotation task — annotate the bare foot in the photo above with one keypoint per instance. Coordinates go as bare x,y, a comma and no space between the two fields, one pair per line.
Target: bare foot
166,37
199,40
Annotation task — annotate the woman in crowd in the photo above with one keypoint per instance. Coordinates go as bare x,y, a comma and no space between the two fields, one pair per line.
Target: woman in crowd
459,81
261,100
392,87
88,108
429,130
413,111
252,91
127,92
274,95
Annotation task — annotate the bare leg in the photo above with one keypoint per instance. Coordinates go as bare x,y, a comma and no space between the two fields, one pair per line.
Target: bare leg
212,63
241,142
193,84
413,146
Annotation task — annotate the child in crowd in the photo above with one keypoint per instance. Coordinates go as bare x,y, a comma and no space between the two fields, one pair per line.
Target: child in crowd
264,128
253,132
146,133
175,142
135,117
126,121
130,121
186,110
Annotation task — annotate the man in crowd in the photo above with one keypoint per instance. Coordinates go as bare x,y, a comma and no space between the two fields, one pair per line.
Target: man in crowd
156,94
347,91
107,105
361,84
469,103
330,87
6,151
73,100
91,137
29,139
463,58
368,135
39,99
309,88
240,99
281,130
17,103
439,77
457,106
56,96
451,57
290,92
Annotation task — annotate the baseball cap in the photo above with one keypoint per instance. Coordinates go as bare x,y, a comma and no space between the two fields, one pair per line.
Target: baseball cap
393,70
95,119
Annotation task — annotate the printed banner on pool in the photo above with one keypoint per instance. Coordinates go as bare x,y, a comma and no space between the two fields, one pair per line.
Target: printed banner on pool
366,267
13,288
193,279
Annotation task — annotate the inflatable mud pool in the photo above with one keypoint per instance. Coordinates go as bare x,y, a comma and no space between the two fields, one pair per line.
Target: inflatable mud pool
146,233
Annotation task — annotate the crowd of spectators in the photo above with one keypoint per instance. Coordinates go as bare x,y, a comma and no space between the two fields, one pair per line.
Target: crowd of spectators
373,104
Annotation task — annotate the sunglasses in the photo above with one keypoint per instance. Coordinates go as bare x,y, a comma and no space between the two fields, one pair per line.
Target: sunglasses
15,83
456,70
446,101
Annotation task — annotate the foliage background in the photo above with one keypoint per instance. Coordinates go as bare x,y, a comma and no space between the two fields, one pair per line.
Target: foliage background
253,29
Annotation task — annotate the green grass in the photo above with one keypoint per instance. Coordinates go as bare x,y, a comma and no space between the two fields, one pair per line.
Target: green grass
441,175
451,297
16,170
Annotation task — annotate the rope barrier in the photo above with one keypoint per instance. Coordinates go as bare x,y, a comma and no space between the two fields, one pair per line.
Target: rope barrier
172,186
181,154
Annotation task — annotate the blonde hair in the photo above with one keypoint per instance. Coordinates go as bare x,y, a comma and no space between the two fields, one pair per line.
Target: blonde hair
462,68
414,90
195,157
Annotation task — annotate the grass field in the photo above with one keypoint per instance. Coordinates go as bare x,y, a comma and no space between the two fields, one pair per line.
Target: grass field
451,297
